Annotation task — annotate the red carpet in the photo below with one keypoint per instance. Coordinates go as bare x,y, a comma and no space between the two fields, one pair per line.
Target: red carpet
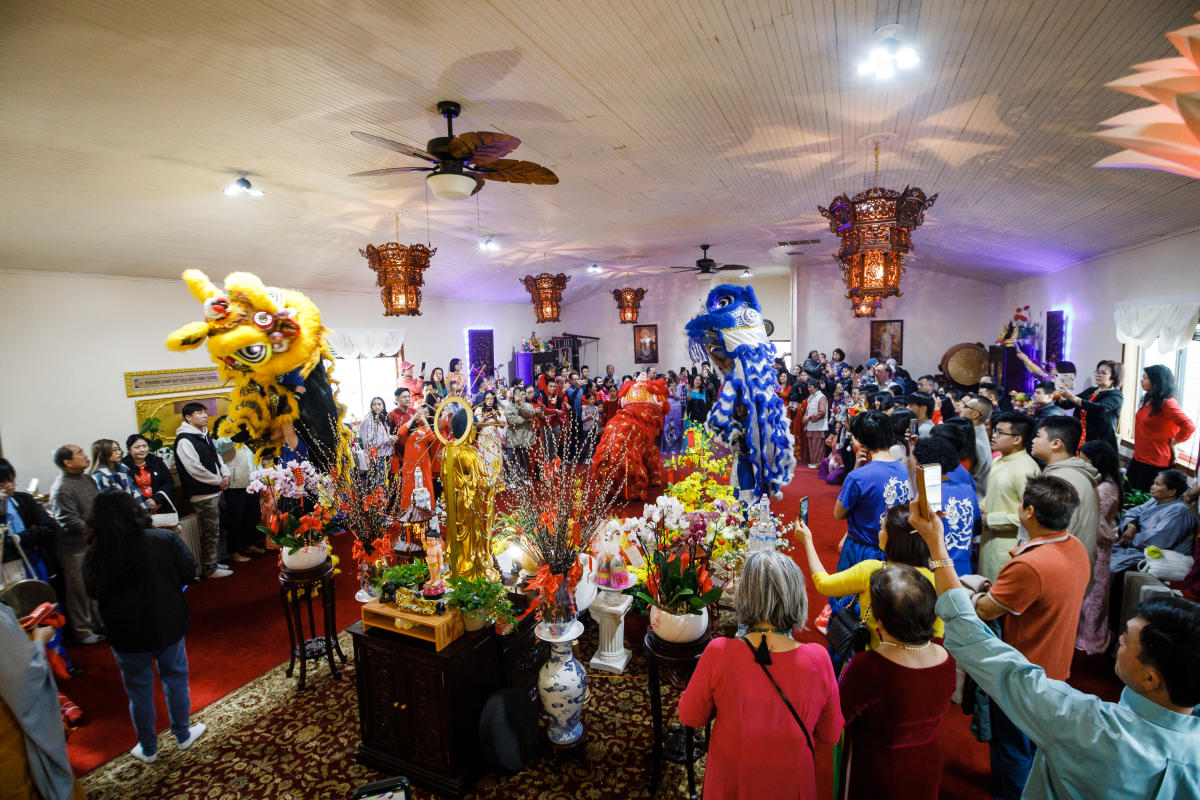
238,633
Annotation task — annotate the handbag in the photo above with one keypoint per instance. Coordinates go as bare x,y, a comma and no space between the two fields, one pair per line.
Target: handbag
847,634
168,519
778,688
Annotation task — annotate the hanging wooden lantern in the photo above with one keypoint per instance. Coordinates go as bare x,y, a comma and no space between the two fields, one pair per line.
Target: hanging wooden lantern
546,291
399,275
628,302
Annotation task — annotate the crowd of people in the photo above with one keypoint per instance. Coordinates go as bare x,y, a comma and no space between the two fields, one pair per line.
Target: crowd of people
1033,523
985,603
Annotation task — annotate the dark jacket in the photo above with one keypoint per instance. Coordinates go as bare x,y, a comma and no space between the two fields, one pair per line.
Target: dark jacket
40,531
161,482
1101,410
146,613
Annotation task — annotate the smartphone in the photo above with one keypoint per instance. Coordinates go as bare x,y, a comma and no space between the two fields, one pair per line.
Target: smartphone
912,428
422,367
804,509
929,488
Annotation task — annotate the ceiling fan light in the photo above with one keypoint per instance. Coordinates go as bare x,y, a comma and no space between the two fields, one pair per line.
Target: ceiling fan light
746,273
450,186
866,67
594,269
242,186
884,70
907,58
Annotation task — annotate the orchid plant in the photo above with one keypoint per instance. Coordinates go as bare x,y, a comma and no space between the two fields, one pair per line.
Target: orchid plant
296,480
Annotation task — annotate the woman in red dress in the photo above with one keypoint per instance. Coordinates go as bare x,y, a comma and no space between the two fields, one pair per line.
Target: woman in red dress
894,696
758,748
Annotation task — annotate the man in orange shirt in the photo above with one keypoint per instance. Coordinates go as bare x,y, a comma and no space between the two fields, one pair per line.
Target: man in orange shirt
1039,594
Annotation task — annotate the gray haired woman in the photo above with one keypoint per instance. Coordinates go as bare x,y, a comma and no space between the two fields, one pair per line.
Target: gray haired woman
771,699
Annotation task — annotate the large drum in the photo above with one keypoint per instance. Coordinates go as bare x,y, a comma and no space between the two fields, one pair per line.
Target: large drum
964,364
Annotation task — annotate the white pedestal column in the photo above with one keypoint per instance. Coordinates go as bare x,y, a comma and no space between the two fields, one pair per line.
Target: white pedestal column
609,612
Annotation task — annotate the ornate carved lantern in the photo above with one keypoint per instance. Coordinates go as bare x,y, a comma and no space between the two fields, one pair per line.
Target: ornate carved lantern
546,291
865,307
628,302
875,229
398,274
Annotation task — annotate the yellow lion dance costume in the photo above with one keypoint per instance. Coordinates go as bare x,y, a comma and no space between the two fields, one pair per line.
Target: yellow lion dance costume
270,343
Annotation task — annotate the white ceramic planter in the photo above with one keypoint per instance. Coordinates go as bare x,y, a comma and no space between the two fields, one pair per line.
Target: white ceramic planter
313,555
678,627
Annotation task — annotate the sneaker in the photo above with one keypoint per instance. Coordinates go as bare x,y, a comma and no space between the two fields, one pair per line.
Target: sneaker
238,557
222,565
194,732
95,638
219,572
255,550
137,753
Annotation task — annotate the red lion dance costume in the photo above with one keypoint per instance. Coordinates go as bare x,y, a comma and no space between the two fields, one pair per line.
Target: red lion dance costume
627,445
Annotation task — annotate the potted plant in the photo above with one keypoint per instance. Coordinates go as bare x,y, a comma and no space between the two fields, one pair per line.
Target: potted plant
479,599
677,587
409,576
302,539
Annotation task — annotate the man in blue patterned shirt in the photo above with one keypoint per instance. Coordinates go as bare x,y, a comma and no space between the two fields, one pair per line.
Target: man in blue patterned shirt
1145,746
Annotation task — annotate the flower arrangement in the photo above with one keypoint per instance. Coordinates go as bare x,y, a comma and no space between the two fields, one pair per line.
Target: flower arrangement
553,519
296,480
1016,328
708,478
676,578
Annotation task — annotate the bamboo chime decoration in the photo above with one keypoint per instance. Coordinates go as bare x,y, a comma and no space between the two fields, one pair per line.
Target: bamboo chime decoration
875,229
399,274
628,302
546,291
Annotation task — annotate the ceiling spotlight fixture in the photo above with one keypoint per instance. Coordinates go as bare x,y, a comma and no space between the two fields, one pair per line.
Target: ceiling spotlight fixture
489,245
242,186
746,273
888,55
594,269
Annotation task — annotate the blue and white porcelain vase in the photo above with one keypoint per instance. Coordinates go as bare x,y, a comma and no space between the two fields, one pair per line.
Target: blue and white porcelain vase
561,685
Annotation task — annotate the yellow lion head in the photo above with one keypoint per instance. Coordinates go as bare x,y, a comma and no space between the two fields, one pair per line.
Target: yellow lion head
252,330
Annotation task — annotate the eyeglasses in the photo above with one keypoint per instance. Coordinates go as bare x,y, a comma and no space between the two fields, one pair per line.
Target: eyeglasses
998,432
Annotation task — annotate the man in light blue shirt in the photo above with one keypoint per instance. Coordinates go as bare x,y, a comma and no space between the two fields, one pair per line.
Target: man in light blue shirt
1145,746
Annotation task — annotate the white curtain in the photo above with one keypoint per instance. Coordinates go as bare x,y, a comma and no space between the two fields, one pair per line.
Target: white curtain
1169,321
366,342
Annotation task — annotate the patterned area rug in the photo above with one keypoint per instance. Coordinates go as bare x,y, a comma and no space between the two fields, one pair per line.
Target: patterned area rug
266,741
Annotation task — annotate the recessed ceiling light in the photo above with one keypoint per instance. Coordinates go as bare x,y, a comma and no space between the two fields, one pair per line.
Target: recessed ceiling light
242,186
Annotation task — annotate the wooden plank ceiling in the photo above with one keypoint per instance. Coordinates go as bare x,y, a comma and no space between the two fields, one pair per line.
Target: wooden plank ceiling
669,123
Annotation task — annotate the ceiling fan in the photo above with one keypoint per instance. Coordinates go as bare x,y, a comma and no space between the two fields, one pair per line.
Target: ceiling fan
462,163
706,267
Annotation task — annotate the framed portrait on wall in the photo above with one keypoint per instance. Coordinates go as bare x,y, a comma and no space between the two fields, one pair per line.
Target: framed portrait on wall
887,340
645,344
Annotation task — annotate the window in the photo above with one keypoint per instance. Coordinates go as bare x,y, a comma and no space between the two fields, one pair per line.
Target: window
360,379
1185,363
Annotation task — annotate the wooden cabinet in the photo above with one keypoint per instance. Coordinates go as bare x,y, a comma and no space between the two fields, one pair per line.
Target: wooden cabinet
419,708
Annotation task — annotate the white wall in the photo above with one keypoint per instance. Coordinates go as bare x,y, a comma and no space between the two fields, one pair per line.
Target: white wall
670,302
66,341
938,311
1089,291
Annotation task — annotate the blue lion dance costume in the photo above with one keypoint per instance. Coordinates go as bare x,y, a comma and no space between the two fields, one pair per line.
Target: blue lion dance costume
748,417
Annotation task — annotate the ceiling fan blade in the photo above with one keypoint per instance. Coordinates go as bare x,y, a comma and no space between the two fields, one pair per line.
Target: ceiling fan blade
390,171
482,147
731,266
388,144
478,184
513,171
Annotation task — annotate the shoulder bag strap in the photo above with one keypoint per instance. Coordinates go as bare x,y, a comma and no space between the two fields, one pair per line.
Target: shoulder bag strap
788,703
